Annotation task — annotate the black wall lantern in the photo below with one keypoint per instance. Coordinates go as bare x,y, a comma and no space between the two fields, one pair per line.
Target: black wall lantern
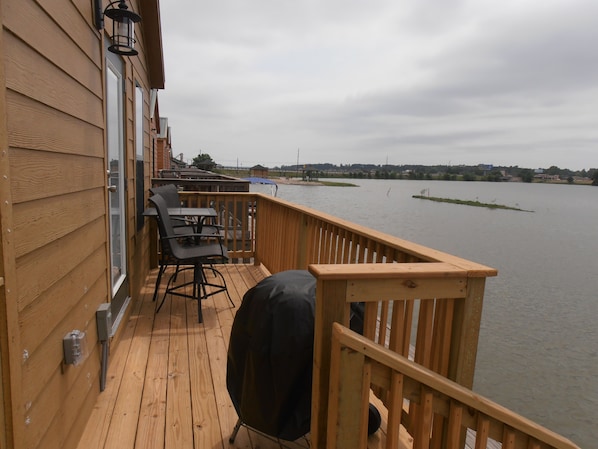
123,26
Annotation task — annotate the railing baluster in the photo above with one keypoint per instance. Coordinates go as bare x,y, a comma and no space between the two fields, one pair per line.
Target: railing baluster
454,438
395,411
508,439
482,432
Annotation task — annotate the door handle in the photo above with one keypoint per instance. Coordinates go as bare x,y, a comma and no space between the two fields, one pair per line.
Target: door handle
111,188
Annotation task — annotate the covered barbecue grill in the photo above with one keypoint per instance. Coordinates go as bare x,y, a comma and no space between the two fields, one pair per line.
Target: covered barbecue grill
270,355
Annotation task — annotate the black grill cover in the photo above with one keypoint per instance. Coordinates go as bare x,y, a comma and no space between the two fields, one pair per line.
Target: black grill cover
269,367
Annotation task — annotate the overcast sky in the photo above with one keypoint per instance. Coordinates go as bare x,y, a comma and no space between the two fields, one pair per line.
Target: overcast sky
509,82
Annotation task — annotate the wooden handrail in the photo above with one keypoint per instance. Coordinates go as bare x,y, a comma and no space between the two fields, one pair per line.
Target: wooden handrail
443,409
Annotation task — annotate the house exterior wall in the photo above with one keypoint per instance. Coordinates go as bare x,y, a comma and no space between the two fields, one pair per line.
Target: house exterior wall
164,155
54,271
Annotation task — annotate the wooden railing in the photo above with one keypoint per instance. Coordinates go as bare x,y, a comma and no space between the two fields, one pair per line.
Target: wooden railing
236,213
415,298
433,411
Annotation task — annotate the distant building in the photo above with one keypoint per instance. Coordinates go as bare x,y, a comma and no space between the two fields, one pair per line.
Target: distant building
545,177
163,147
258,171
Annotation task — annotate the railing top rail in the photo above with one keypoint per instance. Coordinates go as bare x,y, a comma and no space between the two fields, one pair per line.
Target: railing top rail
395,361
422,252
373,271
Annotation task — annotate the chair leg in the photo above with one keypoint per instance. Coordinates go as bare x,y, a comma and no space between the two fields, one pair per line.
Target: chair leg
197,284
224,286
158,279
233,435
166,291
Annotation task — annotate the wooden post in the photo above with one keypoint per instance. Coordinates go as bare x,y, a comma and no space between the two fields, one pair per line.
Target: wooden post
331,307
466,331
347,417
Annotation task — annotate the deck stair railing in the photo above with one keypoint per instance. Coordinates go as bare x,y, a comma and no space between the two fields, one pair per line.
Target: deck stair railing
423,409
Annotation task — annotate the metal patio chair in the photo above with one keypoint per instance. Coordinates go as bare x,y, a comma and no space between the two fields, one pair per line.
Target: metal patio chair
199,251
182,225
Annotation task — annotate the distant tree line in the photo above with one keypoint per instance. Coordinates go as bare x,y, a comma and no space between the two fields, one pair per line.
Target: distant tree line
428,172
441,172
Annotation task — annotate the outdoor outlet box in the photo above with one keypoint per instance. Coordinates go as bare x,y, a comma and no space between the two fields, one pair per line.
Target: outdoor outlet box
75,347
104,321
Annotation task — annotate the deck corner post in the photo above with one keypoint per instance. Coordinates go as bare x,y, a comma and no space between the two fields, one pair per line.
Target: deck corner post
468,315
331,306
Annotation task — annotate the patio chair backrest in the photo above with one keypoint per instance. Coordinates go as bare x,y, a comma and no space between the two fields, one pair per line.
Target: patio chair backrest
164,224
170,240
170,194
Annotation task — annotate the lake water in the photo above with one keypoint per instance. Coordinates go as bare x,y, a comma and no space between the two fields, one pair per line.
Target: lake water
538,349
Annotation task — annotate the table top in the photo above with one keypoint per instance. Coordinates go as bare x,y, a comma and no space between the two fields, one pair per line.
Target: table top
183,212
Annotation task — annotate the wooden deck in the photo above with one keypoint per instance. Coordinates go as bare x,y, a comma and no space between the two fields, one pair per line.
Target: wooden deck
166,382
166,385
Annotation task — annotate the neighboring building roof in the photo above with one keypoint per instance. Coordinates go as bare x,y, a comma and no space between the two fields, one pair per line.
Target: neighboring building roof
150,12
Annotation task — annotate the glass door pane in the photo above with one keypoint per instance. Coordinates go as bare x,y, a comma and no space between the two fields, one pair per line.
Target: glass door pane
116,187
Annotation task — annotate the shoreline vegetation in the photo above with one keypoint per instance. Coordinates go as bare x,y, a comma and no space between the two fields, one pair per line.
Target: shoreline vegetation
300,182
314,174
469,203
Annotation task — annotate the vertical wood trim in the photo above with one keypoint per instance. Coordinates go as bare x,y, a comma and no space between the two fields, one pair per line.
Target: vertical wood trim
105,166
129,169
345,425
383,323
441,343
424,419
302,243
424,333
363,416
393,426
508,440
397,327
11,414
330,307
408,323
466,331
369,320
453,439
482,432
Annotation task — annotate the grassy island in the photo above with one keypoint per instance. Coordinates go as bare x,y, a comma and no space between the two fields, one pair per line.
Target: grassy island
469,203
337,184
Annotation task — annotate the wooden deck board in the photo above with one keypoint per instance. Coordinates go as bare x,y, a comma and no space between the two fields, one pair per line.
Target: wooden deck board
166,383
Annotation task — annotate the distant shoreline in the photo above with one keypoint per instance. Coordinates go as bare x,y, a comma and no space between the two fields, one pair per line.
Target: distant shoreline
300,182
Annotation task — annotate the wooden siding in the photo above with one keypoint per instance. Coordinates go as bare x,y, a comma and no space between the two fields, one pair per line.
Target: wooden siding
53,211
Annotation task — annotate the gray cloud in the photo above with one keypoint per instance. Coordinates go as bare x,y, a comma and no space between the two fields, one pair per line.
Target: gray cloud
512,83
